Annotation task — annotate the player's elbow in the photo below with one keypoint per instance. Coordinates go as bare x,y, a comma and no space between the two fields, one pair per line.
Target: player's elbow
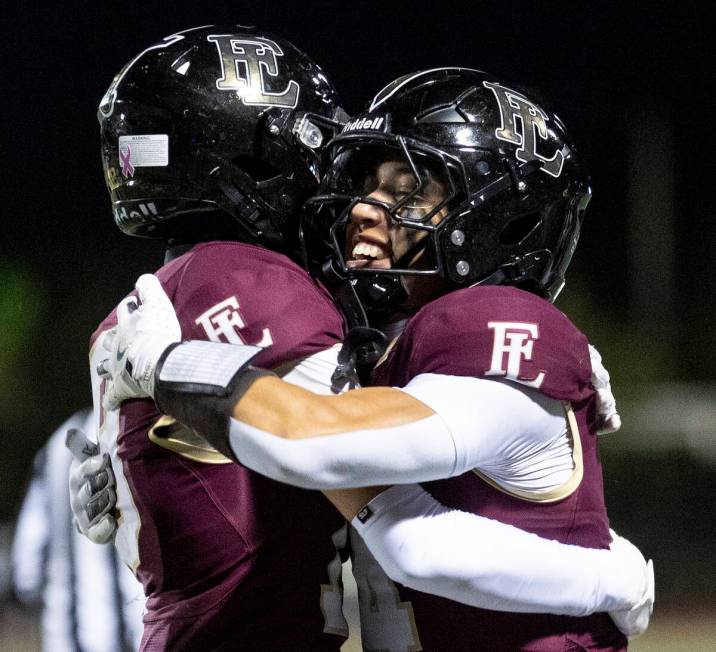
409,564
413,563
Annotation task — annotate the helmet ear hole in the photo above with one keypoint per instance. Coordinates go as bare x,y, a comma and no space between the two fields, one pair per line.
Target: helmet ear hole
519,229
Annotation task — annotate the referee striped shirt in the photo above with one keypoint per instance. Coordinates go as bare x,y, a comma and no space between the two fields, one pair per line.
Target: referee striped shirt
91,601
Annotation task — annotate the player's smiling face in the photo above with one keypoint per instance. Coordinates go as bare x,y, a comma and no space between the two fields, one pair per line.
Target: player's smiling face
373,239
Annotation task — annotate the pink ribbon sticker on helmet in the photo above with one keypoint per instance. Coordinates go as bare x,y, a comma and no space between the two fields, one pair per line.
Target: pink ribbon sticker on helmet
125,155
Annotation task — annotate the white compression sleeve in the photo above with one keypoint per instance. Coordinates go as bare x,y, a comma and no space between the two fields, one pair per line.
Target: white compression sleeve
484,563
416,452
513,434
477,423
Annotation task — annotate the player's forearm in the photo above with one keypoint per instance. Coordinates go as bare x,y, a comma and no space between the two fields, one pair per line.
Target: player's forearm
202,384
366,437
484,563
289,411
349,502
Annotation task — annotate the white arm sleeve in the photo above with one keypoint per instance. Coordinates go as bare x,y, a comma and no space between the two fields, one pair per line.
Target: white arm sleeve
477,424
509,432
416,452
484,563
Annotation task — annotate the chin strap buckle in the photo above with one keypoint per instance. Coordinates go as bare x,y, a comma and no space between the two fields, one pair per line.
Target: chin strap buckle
362,348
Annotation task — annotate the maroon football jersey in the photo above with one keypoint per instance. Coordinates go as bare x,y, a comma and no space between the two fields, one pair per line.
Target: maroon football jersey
505,333
229,559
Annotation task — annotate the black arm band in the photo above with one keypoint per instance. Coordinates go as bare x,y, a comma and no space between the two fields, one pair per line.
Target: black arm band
203,407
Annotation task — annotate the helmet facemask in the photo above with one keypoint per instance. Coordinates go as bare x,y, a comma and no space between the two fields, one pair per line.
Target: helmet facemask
514,190
379,212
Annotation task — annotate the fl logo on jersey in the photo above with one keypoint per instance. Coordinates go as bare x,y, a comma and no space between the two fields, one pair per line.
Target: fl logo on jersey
248,65
514,108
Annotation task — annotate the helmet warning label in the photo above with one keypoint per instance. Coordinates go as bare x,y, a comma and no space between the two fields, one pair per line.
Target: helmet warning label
142,151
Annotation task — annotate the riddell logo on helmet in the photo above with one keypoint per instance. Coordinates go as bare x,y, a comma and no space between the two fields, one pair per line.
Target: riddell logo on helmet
121,214
367,123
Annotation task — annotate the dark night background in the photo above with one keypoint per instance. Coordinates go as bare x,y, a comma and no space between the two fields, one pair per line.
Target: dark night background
632,81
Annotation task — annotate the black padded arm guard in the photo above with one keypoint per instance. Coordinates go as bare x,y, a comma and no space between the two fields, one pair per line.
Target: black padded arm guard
199,383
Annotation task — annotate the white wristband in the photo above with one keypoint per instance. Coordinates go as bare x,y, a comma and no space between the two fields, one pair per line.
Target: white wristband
206,363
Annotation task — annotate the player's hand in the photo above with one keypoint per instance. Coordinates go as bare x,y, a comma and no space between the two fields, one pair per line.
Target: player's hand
92,489
135,345
634,622
609,419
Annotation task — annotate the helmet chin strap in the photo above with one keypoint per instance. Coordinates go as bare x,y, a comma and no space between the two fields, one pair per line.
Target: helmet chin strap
352,307
497,277
519,269
362,345
239,198
380,294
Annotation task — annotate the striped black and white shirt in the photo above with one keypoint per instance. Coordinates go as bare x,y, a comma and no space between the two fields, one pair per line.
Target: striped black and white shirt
91,601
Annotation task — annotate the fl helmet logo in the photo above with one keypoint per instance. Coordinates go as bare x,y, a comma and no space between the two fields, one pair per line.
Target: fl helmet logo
514,107
247,64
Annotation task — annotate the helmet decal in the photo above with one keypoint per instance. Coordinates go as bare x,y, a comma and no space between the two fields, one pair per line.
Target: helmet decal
378,123
143,151
125,160
533,122
253,57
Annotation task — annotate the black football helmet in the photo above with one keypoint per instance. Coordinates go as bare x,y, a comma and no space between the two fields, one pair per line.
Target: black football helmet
514,189
215,122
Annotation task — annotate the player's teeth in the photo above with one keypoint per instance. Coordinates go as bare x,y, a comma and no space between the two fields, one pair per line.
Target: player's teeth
361,249
365,249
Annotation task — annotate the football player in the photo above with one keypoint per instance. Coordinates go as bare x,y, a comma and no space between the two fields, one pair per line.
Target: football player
210,142
460,198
